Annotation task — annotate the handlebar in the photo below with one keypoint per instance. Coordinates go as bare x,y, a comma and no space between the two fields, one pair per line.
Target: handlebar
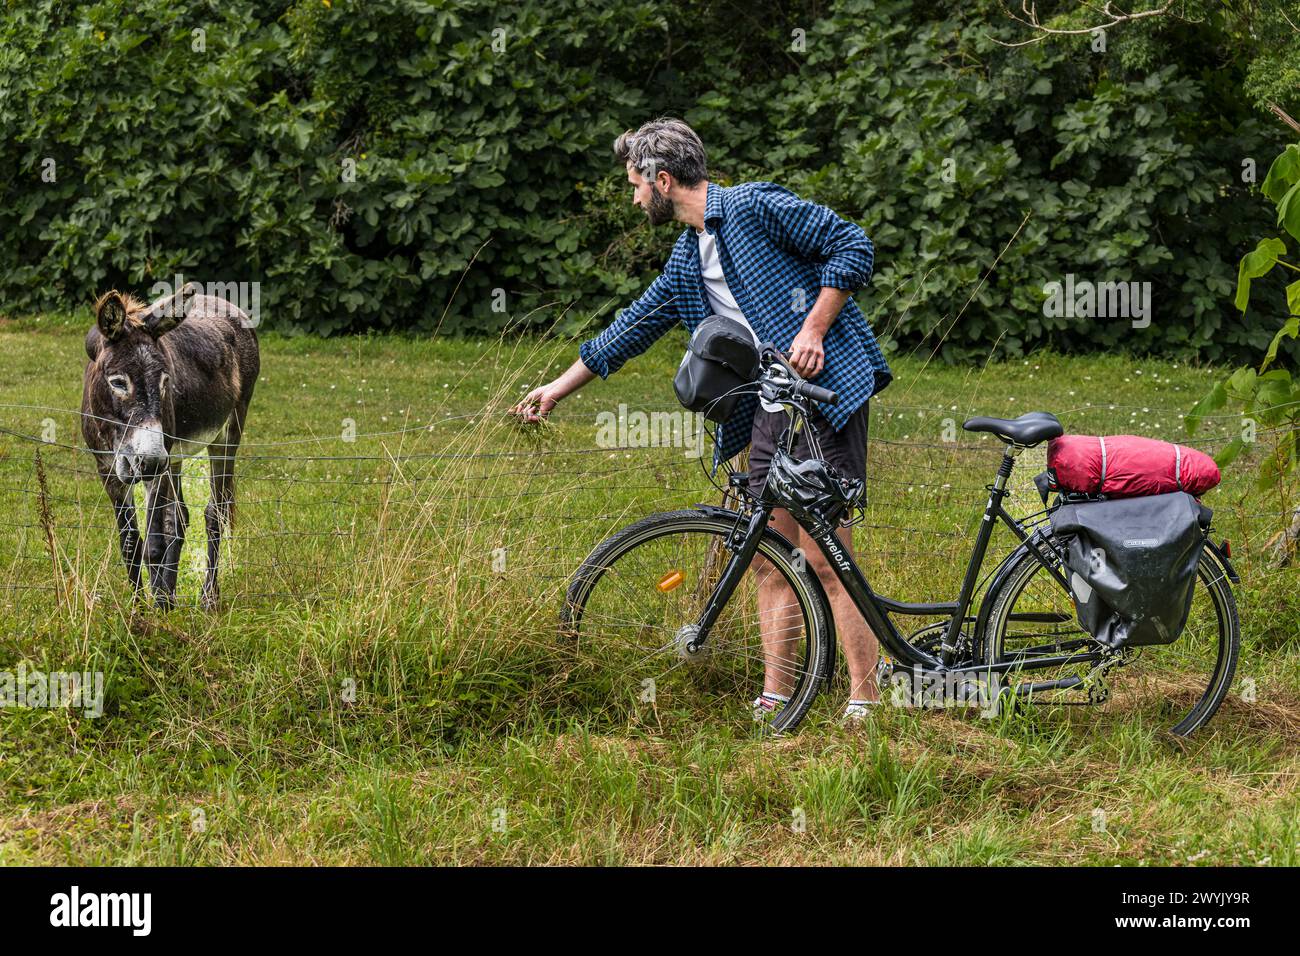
794,384
816,393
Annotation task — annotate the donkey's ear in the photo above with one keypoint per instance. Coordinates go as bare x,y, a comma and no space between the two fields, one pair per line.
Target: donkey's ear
110,315
169,311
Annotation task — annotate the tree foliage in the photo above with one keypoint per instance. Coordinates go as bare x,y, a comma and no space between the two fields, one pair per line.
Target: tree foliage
424,164
1269,397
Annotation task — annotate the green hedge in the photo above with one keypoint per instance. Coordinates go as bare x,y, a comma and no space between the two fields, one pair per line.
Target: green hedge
480,139
1121,166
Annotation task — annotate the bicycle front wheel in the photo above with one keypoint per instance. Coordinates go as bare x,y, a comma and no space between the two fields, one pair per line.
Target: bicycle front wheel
631,609
1177,686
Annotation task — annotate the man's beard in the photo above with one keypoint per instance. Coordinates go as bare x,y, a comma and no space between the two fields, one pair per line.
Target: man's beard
660,208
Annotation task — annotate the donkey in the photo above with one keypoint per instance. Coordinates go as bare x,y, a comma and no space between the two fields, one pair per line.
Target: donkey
165,380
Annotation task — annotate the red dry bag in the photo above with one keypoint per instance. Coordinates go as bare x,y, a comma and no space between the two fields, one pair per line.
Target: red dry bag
1128,466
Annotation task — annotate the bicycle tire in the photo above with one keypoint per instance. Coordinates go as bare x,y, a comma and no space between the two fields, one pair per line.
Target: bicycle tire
818,638
1213,584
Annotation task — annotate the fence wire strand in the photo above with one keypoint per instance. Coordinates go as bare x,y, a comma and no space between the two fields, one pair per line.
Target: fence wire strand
475,498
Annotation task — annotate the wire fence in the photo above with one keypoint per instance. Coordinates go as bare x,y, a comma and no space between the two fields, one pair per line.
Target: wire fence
472,500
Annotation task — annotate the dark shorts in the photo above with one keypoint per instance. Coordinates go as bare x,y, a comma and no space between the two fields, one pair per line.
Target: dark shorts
846,449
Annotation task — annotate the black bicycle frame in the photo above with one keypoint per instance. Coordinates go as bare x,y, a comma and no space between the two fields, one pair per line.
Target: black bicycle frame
874,607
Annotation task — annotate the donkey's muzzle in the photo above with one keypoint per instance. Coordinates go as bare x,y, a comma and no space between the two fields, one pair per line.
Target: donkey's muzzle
142,455
140,467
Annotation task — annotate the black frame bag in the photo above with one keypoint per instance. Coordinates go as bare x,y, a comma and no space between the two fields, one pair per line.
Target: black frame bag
1132,564
720,358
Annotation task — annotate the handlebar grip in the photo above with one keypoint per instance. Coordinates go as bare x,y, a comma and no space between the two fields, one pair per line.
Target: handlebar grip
817,393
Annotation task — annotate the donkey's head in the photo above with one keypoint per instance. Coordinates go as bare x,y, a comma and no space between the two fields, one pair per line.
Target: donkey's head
127,398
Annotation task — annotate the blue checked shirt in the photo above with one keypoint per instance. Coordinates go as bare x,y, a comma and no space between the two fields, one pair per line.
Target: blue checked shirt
777,251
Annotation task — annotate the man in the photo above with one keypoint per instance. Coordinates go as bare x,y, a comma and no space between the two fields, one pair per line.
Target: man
786,267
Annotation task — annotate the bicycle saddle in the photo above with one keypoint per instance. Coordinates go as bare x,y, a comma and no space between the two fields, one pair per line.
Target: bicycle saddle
1027,430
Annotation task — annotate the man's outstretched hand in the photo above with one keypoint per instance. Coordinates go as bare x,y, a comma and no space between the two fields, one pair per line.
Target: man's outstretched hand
538,403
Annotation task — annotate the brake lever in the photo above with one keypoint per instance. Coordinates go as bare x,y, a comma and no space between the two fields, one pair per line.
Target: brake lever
775,402
782,357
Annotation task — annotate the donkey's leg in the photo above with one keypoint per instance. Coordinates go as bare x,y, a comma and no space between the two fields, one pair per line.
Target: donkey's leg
128,532
178,519
182,510
221,502
161,523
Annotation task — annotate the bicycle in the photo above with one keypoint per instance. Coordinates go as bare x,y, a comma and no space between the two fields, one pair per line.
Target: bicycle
655,634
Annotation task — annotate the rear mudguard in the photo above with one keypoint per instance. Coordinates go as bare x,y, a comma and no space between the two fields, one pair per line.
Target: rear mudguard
1228,569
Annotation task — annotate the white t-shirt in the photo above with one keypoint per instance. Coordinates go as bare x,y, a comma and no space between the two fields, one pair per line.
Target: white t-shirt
715,283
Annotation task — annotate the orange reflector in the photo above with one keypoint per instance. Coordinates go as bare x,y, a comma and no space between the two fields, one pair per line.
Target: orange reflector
670,581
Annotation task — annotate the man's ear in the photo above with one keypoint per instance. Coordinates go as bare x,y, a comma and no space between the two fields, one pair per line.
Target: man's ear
110,315
663,181
169,311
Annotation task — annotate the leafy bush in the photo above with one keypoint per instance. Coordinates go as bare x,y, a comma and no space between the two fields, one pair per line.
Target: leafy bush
1269,397
485,193
234,161
1124,173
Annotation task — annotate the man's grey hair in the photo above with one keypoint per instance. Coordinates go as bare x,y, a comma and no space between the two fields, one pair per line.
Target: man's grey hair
667,144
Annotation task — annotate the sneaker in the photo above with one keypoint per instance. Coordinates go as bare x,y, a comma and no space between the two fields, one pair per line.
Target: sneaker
858,709
767,705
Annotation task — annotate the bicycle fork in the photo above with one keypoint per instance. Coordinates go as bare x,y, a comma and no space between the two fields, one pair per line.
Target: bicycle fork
731,575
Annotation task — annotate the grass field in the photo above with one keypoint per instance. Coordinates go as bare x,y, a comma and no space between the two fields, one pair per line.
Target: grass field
384,682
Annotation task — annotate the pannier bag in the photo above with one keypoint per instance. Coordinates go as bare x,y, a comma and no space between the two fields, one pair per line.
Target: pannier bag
1126,466
1131,563
720,359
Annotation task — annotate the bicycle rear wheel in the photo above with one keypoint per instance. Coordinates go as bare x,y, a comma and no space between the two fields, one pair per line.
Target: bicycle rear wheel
1178,685
630,612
